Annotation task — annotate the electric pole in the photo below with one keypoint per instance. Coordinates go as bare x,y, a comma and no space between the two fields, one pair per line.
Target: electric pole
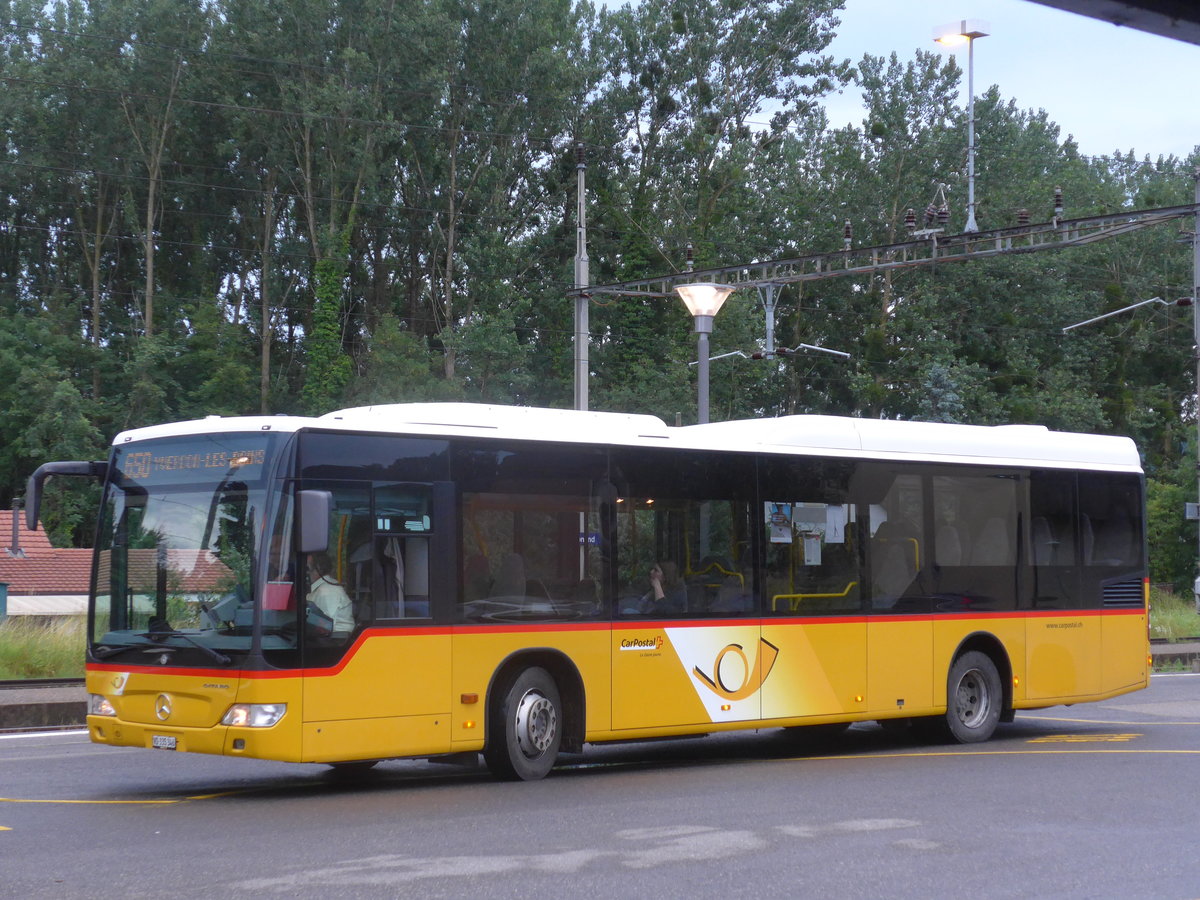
581,281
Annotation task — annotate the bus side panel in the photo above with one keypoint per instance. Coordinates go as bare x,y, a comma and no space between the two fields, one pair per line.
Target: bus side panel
380,737
1063,656
820,670
949,632
666,676
480,651
1126,651
900,673
352,711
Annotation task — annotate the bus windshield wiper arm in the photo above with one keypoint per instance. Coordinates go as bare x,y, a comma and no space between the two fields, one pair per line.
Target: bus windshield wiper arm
104,652
209,651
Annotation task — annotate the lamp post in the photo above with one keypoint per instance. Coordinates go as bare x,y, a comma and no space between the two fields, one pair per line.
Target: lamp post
951,35
703,300
1196,332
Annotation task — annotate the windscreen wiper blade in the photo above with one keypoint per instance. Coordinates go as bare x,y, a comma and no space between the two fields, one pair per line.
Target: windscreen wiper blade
104,652
215,655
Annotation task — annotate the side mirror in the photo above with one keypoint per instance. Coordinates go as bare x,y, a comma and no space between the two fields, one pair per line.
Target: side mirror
33,489
312,534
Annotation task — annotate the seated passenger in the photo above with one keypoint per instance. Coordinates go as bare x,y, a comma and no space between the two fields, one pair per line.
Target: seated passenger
667,594
328,596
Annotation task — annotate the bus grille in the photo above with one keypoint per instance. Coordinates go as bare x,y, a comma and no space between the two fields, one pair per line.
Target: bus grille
1126,592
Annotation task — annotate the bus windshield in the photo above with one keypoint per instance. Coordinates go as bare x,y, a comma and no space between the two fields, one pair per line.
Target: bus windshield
176,553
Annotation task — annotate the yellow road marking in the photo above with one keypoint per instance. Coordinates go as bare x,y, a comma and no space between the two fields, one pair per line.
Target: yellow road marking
121,802
94,802
1084,739
917,755
1099,721
3,828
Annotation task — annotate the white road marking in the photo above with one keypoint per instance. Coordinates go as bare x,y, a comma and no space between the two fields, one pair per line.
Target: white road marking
658,846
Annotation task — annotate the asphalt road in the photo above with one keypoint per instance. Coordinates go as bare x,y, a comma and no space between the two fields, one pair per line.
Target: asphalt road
1091,801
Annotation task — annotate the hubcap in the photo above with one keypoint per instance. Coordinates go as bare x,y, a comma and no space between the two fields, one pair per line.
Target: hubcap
537,724
971,702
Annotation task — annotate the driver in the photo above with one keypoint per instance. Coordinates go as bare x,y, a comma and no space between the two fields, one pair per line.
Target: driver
327,594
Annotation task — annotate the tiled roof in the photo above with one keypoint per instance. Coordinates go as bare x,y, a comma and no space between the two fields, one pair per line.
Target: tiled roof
43,569
47,570
189,571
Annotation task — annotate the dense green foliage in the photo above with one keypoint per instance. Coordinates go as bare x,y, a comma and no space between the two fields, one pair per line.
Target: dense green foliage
248,206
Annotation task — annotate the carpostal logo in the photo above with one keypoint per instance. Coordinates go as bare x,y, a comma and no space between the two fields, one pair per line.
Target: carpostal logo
650,643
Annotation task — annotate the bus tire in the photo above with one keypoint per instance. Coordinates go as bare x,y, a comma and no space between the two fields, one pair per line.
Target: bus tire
974,698
525,728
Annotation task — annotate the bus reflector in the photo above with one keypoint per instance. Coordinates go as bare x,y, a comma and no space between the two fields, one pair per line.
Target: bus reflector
726,707
469,698
468,724
858,698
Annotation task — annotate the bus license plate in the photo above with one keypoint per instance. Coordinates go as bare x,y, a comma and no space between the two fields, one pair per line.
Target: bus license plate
163,742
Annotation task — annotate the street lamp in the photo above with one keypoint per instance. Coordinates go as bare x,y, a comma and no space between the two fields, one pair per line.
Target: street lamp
1182,301
954,34
703,300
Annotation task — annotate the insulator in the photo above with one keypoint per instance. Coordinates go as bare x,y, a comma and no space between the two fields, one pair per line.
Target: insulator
943,215
847,234
910,219
691,256
1058,201
1022,217
580,158
930,214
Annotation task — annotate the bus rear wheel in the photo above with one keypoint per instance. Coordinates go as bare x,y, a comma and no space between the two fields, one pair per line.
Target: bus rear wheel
974,698
525,728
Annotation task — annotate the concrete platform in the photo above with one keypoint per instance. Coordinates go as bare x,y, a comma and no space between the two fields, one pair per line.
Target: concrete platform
40,706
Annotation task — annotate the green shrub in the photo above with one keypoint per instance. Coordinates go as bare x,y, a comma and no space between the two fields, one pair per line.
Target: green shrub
1172,617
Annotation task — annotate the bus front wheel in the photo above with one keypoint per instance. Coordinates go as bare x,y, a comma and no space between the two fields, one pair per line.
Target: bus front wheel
973,698
525,728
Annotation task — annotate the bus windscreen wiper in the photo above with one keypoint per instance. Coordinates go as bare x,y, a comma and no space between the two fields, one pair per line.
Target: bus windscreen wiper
208,651
104,652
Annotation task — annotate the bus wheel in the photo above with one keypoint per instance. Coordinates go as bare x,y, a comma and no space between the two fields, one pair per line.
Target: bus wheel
525,730
973,698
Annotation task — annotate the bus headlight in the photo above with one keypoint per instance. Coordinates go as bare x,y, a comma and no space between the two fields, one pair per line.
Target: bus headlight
99,705
254,715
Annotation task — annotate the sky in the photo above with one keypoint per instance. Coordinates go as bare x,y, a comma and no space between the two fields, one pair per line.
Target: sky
1112,88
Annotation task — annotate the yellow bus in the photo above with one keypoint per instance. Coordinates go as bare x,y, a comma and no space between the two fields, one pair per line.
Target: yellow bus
418,580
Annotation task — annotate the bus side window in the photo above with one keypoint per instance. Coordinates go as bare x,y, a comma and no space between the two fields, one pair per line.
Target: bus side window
898,553
403,521
529,557
1109,508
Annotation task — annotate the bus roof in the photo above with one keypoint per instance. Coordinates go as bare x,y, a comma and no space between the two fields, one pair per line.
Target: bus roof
1027,445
